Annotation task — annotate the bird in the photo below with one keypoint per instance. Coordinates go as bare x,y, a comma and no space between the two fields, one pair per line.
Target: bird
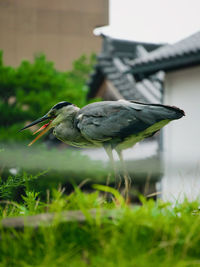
113,125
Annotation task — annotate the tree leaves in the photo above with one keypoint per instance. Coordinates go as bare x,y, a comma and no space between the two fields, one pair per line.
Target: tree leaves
31,89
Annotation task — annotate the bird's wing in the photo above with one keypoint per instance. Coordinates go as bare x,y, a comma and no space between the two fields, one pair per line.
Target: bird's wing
105,120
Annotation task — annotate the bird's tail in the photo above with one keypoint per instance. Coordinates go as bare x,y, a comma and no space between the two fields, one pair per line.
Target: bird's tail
166,111
174,113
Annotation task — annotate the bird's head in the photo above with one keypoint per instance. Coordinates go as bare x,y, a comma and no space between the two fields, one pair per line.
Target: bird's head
54,116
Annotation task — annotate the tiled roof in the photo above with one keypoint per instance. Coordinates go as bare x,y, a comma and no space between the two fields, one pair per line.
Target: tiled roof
124,48
112,65
169,57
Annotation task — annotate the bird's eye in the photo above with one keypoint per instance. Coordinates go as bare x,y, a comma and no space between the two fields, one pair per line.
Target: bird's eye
52,113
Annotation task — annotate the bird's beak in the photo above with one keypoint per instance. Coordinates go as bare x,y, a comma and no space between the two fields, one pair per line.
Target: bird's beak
45,127
44,118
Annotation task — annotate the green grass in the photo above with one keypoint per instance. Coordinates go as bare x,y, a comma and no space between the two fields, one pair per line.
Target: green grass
152,234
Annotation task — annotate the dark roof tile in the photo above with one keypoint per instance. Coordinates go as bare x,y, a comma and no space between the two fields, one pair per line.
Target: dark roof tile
112,65
182,49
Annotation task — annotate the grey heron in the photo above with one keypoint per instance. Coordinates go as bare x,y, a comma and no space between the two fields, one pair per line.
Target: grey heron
110,124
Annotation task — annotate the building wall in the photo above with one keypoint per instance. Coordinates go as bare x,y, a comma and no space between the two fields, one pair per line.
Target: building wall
62,29
182,137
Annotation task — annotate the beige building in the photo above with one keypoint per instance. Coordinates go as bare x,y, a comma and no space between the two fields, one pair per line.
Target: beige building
62,29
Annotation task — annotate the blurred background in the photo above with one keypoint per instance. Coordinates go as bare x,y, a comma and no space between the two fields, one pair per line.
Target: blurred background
96,50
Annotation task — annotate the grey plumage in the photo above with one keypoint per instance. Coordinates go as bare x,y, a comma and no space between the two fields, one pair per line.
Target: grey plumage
111,124
119,124
114,122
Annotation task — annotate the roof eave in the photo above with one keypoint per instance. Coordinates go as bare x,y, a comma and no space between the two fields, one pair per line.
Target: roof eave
169,64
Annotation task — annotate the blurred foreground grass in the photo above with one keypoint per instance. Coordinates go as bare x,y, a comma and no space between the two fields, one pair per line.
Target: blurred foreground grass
67,165
152,234
46,169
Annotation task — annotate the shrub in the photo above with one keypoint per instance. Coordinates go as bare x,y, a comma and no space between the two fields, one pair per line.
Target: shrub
151,234
31,89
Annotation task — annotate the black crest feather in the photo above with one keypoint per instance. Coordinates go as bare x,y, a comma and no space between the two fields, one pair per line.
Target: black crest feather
61,104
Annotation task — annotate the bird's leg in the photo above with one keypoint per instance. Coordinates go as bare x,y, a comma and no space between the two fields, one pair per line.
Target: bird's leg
109,152
127,179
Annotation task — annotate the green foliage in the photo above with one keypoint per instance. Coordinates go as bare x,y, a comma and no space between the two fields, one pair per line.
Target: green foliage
30,90
30,201
56,167
12,184
153,234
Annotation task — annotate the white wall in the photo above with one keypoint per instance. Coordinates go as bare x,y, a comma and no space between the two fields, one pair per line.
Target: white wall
182,138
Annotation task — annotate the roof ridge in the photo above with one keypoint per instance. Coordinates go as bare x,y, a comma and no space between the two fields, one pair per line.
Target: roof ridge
183,46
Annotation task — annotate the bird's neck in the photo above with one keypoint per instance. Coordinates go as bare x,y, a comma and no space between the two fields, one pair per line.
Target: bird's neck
68,114
70,111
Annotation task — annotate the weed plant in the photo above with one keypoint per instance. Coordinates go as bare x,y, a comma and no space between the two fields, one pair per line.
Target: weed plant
151,234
